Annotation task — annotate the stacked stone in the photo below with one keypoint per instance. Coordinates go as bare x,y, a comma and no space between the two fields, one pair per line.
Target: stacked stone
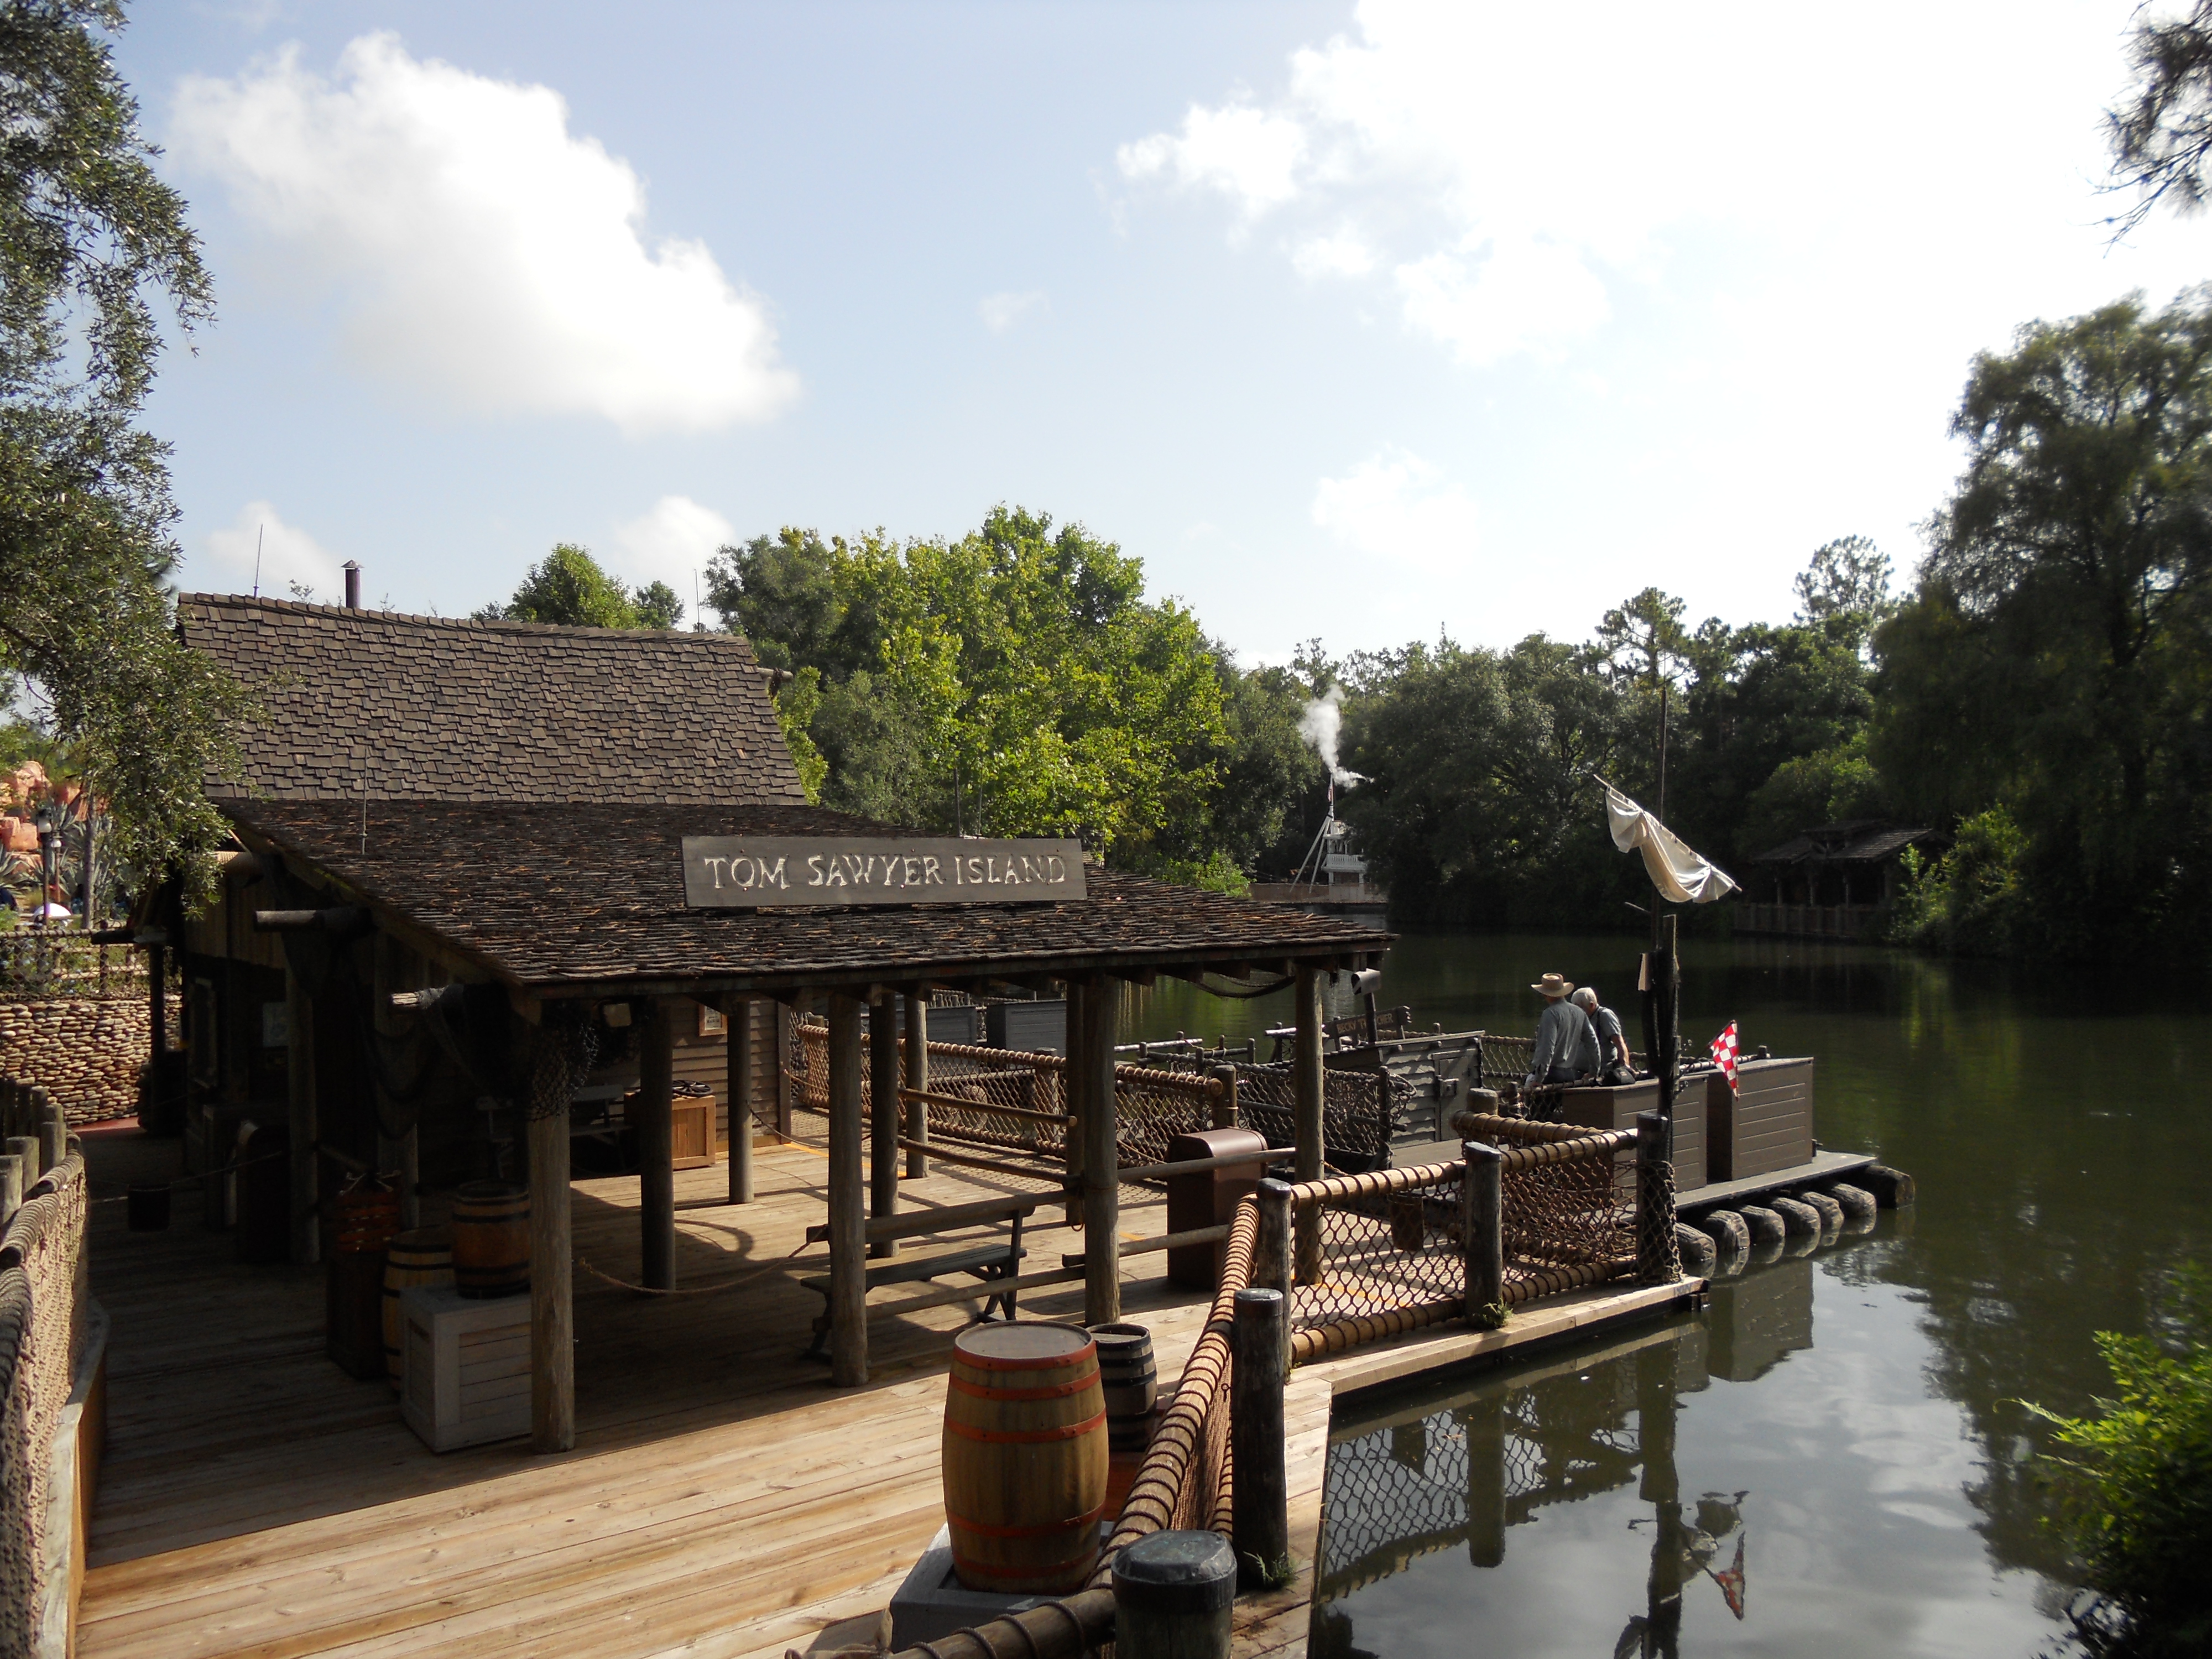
85,1051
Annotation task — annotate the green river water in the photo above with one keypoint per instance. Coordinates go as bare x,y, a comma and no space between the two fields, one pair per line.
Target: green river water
1833,1458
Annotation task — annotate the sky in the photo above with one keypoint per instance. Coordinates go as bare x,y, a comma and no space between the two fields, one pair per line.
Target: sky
1360,323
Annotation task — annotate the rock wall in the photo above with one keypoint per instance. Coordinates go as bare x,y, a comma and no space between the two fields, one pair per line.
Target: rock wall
84,1051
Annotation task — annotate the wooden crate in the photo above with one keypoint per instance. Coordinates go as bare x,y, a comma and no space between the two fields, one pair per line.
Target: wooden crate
691,1133
1615,1108
465,1374
1765,1124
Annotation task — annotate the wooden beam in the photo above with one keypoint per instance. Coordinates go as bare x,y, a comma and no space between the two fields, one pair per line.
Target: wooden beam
656,1151
738,1015
552,1291
1075,1084
848,1243
884,1111
1101,1193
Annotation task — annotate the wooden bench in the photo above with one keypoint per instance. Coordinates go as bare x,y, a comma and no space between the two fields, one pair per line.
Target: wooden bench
994,1262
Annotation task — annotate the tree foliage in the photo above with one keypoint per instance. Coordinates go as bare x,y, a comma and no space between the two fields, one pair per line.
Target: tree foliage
1015,681
2161,130
569,586
93,250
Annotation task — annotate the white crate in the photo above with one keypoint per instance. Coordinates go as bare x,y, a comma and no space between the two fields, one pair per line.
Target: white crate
465,1367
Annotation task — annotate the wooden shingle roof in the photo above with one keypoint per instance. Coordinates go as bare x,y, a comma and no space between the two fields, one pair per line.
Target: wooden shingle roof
567,898
428,709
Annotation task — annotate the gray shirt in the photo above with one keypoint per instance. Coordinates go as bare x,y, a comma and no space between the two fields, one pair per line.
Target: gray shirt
1563,1041
1608,1034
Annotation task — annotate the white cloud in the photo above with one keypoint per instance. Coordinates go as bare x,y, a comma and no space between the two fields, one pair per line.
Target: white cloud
480,250
672,542
1000,311
1247,155
1519,297
1396,508
287,555
1342,254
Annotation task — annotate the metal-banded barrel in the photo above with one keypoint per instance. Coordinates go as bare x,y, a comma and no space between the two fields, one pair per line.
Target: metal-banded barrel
1126,1369
1024,1458
423,1256
491,1239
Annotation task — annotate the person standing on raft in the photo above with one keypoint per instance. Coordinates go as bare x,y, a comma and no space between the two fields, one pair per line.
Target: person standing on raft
1615,1064
1566,1047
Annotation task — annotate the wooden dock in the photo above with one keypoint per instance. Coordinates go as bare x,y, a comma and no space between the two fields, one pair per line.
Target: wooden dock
722,1500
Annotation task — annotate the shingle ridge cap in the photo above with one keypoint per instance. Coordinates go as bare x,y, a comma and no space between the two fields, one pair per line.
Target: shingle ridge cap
718,637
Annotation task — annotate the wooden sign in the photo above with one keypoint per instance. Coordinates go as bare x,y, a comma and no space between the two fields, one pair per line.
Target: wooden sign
750,872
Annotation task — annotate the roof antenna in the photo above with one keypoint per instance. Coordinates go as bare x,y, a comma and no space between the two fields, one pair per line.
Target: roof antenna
260,530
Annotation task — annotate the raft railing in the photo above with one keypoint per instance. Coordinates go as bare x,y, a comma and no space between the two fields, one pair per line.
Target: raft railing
49,1348
1362,1259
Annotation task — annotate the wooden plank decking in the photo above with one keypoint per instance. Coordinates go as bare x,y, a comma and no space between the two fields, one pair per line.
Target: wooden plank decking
722,1499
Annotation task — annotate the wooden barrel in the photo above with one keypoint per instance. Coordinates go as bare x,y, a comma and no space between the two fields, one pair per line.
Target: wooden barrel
491,1239
424,1256
1125,1368
1024,1458
367,1208
1127,1440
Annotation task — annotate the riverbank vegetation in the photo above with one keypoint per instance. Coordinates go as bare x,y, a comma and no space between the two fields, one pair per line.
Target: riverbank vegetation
2136,1483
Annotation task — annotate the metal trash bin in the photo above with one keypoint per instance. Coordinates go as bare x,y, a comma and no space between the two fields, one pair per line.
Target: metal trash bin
1206,1197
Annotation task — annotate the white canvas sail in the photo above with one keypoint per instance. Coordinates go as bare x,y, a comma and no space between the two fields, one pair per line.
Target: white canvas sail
1678,873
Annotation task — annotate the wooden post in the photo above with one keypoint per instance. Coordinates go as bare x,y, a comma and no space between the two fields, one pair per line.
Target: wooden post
1482,1230
1102,1189
53,1136
11,1185
1482,1420
848,1223
1259,1496
1309,1084
738,1025
779,1063
1174,1597
884,1114
1667,1063
656,1150
401,1152
552,1291
1075,1084
917,1077
1225,1103
300,1117
26,1149
1657,1258
157,985
1271,1252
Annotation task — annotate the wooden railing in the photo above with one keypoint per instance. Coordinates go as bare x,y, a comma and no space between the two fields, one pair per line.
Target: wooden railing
49,1344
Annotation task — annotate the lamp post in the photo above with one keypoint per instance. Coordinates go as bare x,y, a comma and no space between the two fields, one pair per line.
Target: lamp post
48,818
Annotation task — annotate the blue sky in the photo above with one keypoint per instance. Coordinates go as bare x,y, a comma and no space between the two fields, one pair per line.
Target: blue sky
1351,321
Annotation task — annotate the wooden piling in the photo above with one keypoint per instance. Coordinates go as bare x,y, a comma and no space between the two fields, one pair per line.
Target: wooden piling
11,1185
1309,1085
656,1150
1271,1252
1482,1230
738,1015
552,1290
1174,1597
1259,1499
884,1114
849,1222
1225,1103
1101,1190
301,1116
917,1079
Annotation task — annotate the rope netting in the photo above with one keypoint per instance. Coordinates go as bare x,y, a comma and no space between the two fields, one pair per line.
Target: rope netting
1359,1110
42,1310
1008,1101
1371,1245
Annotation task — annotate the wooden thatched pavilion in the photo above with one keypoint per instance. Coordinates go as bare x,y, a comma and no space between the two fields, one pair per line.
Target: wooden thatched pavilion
515,810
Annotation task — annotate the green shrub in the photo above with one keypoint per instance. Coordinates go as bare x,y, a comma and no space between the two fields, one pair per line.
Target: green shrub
1971,901
2137,1501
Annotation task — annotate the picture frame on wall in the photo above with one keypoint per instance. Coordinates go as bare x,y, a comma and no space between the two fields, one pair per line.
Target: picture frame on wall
711,1023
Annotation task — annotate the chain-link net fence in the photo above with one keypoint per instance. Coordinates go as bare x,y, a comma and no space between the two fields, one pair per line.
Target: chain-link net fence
1372,1244
1360,1110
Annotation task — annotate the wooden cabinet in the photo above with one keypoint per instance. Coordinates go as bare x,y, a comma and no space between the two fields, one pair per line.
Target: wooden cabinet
692,1132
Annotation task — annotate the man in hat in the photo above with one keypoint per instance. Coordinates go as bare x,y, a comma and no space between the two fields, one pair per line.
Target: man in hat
1566,1047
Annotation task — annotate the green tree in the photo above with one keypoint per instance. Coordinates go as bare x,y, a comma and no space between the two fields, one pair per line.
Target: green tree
2070,570
94,249
2161,131
656,605
568,586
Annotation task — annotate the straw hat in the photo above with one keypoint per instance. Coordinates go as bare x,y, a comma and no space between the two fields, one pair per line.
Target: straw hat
1553,985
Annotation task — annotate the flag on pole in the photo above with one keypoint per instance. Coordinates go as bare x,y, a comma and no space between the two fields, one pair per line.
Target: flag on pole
1723,1052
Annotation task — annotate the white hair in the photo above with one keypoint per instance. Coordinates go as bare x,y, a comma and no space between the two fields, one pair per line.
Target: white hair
1586,1000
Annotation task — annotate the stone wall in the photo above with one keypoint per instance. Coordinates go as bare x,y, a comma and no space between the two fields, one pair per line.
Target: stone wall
84,1051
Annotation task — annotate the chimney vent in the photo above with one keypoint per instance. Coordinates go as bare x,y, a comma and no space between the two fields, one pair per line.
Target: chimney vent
353,584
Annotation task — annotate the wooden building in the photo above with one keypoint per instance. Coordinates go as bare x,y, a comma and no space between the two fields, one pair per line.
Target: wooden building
1834,881
487,823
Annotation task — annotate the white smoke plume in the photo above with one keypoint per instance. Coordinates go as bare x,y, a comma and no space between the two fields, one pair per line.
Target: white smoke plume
1322,725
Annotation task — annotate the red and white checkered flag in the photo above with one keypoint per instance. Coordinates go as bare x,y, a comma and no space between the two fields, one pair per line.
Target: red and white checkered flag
1723,1052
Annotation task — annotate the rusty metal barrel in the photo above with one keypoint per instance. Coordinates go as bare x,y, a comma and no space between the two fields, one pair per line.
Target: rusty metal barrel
1024,1457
